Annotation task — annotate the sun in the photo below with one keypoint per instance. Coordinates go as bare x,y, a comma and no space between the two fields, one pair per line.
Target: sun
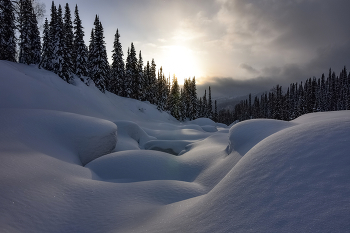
181,61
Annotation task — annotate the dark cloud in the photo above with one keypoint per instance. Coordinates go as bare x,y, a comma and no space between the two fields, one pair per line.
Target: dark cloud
299,39
248,68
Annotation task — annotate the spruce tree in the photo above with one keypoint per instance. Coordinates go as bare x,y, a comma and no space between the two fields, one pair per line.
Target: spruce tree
80,51
35,39
29,45
7,31
210,105
162,91
134,74
193,97
53,41
46,55
205,104
182,106
91,54
141,81
153,84
67,66
215,112
174,99
58,46
118,67
128,76
147,81
98,63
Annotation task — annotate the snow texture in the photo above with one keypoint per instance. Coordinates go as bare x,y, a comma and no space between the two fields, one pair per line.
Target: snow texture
76,160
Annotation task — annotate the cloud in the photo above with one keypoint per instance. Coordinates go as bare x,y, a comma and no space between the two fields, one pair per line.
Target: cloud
248,68
273,42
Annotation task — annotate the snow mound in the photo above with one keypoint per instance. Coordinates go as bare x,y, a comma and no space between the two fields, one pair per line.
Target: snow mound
221,125
244,135
134,165
209,128
86,137
202,122
131,136
295,180
169,146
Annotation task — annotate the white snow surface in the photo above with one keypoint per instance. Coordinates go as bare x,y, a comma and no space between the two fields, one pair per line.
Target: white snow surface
76,160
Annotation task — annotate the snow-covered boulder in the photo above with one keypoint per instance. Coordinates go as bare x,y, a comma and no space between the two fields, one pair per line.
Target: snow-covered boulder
244,135
131,136
84,138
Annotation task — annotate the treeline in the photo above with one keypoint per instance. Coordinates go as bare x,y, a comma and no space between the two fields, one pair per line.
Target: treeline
63,51
331,93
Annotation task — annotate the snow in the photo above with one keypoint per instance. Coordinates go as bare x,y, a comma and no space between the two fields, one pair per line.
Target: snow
76,160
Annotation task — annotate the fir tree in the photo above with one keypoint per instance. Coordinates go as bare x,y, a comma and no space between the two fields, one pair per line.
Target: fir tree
29,46
210,105
182,106
147,81
98,63
46,55
205,104
7,31
193,99
174,99
162,91
141,81
153,84
58,44
80,51
53,38
67,66
134,74
128,76
118,67
35,39
215,112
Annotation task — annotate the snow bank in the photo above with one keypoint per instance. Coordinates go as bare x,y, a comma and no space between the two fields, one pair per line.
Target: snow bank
28,87
296,179
170,146
259,176
131,136
243,136
86,137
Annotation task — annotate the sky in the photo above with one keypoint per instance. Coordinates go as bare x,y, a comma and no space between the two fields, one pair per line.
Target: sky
235,46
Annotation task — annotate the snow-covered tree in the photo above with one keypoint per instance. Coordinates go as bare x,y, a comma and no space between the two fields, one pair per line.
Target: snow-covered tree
57,38
210,105
118,67
162,91
80,51
29,45
7,31
141,95
47,50
153,84
98,63
131,74
174,99
67,66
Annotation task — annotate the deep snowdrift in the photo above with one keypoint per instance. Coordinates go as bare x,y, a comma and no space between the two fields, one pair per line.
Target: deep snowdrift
258,176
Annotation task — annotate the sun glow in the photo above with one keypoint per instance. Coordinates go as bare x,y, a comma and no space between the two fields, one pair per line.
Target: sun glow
181,61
